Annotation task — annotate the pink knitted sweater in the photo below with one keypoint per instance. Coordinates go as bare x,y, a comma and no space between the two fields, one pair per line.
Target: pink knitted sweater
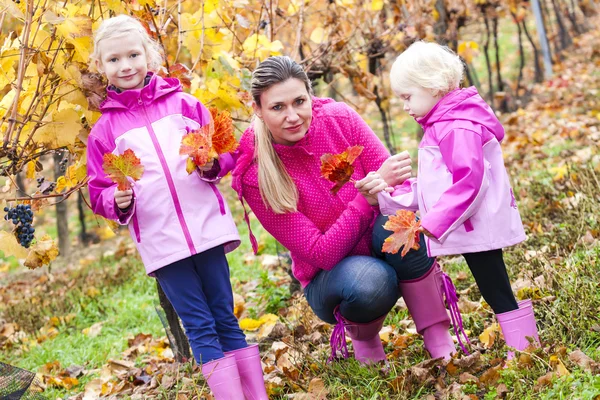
326,228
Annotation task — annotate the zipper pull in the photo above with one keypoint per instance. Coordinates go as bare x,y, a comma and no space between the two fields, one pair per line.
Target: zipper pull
140,101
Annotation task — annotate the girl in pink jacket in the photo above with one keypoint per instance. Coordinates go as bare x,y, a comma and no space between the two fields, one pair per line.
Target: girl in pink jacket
462,190
180,223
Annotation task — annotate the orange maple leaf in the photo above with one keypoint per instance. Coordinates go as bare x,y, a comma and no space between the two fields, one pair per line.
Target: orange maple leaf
198,146
338,168
223,139
205,144
405,227
119,168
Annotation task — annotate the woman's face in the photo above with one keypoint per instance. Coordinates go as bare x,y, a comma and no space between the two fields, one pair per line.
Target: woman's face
286,109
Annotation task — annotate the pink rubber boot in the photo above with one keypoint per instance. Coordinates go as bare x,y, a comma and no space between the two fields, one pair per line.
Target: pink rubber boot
251,373
517,325
424,298
223,378
368,348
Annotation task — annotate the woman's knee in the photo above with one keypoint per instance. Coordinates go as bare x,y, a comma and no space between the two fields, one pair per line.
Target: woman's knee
372,292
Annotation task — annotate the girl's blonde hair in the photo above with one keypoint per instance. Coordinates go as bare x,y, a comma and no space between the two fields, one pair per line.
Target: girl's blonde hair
277,189
125,25
428,65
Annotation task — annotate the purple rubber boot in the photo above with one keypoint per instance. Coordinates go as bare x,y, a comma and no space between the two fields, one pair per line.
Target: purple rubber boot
424,298
368,348
517,326
223,378
251,373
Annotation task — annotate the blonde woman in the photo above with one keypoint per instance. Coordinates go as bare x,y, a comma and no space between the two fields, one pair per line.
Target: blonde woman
334,240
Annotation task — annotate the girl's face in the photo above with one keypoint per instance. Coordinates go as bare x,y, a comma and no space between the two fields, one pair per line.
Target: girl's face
286,109
123,60
418,101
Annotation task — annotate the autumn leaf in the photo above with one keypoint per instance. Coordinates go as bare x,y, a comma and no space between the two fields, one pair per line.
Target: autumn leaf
119,168
405,227
338,168
206,143
223,139
198,146
42,252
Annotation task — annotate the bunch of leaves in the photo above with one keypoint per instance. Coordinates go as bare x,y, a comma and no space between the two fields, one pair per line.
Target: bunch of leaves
338,168
120,168
207,143
405,228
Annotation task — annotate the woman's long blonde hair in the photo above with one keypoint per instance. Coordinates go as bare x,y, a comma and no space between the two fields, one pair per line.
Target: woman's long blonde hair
277,189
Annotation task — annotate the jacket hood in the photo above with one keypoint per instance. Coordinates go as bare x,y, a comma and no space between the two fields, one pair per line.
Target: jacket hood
156,88
245,152
466,105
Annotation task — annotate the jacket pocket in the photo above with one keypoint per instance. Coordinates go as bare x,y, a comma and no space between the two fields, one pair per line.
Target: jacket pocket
136,228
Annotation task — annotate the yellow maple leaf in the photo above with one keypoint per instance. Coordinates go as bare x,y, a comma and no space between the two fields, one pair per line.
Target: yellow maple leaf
10,247
489,335
42,252
318,35
259,46
61,131
468,50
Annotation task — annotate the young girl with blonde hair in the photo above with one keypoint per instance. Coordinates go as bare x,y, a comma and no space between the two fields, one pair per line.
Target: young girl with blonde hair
462,189
180,223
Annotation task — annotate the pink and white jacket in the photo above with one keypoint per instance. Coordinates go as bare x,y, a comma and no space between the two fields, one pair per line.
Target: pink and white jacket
326,228
462,189
174,215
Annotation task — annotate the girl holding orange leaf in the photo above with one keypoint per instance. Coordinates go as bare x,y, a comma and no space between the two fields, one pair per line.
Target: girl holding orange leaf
462,191
296,141
179,221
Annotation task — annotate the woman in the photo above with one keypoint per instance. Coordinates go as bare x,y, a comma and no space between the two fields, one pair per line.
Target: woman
331,237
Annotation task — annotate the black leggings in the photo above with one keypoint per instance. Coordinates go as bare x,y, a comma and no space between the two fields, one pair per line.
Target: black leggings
492,279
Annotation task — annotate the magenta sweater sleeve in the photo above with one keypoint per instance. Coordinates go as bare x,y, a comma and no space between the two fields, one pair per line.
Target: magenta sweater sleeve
304,240
101,188
462,152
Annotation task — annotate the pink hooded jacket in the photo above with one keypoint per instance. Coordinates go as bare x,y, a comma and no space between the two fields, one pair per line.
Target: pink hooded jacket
174,215
326,228
462,189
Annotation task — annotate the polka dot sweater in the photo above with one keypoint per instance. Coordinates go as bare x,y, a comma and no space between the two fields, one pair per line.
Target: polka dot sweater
327,227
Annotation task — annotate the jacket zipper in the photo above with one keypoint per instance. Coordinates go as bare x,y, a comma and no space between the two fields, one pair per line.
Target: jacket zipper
171,184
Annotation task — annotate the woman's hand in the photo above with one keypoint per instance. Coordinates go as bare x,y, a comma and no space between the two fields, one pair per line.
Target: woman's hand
123,198
370,185
396,169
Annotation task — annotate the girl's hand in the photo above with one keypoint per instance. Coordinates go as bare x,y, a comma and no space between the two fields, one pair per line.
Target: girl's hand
426,232
370,185
207,167
396,169
123,198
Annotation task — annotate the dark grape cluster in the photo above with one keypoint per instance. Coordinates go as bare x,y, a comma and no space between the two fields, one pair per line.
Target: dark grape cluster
22,217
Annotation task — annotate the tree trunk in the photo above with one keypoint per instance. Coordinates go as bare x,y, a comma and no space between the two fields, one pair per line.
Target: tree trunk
521,54
83,235
563,33
539,76
486,53
62,221
179,341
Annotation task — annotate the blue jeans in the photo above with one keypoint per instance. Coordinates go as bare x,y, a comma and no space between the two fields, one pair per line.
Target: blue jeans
365,287
199,289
